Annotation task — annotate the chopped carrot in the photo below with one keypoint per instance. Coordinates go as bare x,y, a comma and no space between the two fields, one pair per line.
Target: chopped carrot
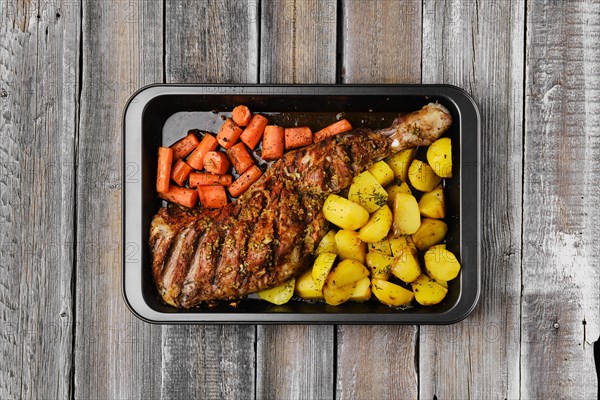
341,126
180,172
216,162
180,195
229,133
298,137
241,115
196,159
212,196
273,143
254,131
240,158
245,181
165,161
206,179
184,146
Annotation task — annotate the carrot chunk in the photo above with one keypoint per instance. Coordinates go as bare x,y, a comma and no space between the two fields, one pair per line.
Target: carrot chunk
196,159
180,172
206,179
184,146
229,133
273,143
212,196
338,127
245,181
216,162
240,158
165,161
254,131
241,115
180,195
298,137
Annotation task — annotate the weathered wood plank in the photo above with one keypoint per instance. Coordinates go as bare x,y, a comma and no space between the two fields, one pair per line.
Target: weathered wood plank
117,356
561,225
38,98
298,45
210,41
463,46
381,44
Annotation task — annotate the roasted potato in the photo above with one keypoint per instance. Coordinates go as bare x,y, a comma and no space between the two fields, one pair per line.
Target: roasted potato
347,272
327,244
344,213
422,177
279,294
400,162
394,189
399,243
336,295
406,266
305,287
391,294
431,232
382,172
427,291
407,217
382,247
439,157
380,265
378,226
321,267
350,246
433,204
361,291
441,264
367,192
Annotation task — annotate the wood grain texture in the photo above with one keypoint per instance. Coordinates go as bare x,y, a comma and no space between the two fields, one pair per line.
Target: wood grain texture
297,46
117,355
38,99
379,362
561,225
479,357
210,41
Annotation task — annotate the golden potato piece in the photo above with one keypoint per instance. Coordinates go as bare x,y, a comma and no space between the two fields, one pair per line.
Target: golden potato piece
379,265
391,294
382,247
336,295
406,266
427,291
407,217
321,267
395,189
305,287
422,177
431,232
433,204
347,272
367,192
398,244
361,291
279,294
344,213
382,172
441,264
400,162
439,156
378,226
327,244
350,246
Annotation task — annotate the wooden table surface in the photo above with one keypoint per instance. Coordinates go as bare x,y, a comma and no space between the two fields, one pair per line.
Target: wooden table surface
68,66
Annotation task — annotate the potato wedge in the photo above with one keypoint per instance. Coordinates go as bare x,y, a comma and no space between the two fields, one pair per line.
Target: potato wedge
394,189
327,244
433,204
321,267
422,177
350,246
391,294
400,162
430,233
406,266
279,294
427,291
361,291
382,172
439,156
367,192
407,217
347,272
399,243
380,265
344,213
378,226
305,287
441,264
336,295
382,247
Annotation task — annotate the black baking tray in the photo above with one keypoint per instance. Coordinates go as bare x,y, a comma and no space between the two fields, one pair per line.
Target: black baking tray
161,114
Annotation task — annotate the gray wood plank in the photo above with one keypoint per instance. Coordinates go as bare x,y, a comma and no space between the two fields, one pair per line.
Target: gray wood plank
381,44
117,356
561,225
217,42
463,45
298,45
38,99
